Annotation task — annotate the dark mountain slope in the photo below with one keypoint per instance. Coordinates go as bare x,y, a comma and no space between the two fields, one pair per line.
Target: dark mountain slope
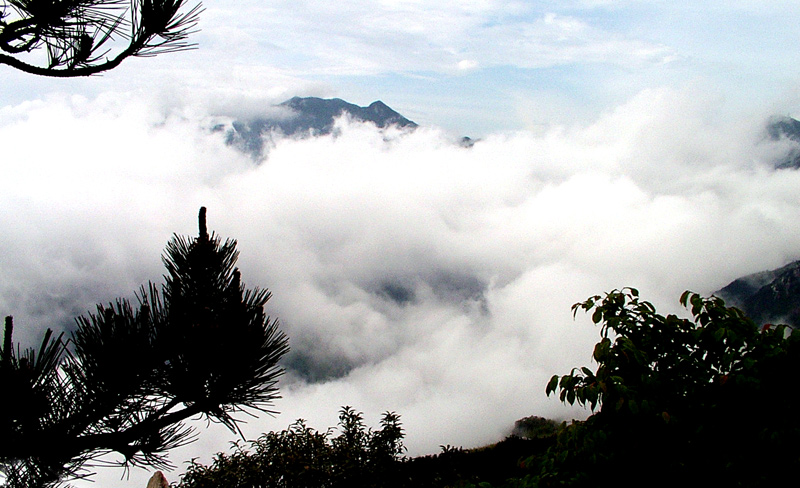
316,115
786,127
768,296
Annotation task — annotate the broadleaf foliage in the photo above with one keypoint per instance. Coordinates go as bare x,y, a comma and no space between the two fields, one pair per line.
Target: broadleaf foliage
303,457
674,399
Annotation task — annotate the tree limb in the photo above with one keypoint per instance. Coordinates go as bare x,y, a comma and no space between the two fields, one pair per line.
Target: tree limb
72,32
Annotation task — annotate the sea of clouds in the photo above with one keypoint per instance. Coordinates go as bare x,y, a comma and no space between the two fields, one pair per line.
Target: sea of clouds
411,274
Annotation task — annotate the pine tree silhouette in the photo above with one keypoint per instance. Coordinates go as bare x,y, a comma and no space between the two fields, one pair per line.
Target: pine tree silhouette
129,376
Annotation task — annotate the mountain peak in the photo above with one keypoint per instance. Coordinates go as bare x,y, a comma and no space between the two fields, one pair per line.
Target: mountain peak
785,127
320,113
312,116
379,106
382,111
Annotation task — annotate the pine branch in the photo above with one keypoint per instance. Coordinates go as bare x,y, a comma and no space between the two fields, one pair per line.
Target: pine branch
76,34
130,376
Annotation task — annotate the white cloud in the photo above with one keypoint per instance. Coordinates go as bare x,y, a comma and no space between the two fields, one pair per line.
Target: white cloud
390,37
467,64
483,249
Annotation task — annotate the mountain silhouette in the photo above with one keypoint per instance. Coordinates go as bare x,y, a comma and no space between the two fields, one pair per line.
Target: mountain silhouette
786,128
310,116
772,296
767,297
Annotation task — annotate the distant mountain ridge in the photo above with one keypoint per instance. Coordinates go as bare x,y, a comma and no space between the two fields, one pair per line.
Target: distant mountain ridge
319,114
786,127
310,116
772,296
767,297
314,116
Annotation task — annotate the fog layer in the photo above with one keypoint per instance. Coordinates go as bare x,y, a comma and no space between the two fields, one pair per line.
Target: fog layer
410,273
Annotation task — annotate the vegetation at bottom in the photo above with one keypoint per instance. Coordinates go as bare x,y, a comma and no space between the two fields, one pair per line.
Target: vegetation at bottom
705,400
352,455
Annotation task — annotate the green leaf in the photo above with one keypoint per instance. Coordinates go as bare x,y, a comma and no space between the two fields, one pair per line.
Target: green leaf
552,385
592,395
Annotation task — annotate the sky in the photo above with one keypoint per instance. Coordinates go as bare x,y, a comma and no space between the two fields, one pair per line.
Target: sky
621,144
473,67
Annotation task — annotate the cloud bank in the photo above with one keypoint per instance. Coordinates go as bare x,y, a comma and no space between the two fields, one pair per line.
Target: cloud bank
410,273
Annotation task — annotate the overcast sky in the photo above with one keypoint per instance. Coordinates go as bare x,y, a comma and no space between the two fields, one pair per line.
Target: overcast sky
473,67
622,144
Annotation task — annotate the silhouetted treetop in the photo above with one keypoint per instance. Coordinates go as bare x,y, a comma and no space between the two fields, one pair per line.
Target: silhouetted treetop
200,345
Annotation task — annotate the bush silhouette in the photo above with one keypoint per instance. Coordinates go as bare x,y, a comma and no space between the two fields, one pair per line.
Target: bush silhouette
704,399
301,457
